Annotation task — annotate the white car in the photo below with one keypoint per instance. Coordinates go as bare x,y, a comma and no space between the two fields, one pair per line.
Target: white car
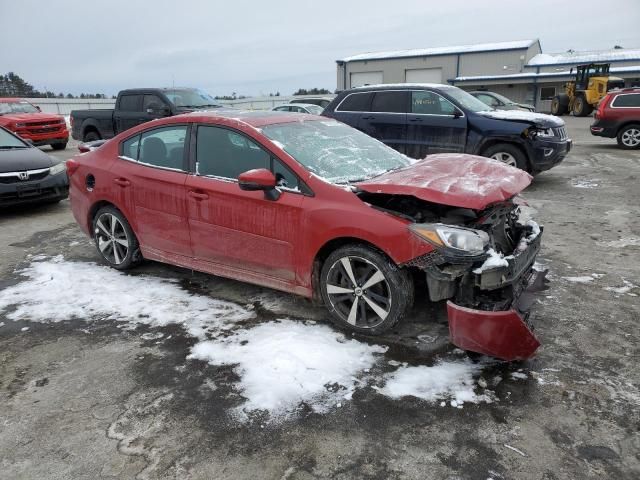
299,108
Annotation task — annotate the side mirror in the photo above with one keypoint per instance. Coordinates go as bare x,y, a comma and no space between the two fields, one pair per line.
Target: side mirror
259,179
157,109
457,113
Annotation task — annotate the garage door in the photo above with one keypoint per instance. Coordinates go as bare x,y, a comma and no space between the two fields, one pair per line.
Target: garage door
365,78
424,75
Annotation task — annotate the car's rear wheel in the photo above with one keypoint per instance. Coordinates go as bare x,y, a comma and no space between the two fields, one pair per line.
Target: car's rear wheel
114,238
508,154
91,136
364,290
59,146
629,137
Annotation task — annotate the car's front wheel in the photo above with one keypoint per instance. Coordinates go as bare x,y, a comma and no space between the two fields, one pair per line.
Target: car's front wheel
364,290
629,137
509,154
114,238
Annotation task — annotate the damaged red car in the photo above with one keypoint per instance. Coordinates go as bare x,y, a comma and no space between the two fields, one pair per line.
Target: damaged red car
311,206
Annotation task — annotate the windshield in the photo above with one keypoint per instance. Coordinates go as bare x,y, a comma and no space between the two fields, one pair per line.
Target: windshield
466,100
8,140
314,109
190,98
334,151
503,99
17,107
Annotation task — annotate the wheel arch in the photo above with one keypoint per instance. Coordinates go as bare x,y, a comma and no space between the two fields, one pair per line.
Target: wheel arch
95,207
627,123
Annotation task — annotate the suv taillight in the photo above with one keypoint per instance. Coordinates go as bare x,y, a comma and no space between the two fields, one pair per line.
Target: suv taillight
601,105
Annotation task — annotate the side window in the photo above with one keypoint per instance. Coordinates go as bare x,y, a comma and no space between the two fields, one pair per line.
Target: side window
164,147
282,109
356,102
284,177
130,103
446,107
423,102
223,153
487,99
151,101
130,147
627,100
390,102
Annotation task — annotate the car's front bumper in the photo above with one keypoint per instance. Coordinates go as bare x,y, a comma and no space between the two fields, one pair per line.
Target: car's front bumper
499,328
547,154
50,188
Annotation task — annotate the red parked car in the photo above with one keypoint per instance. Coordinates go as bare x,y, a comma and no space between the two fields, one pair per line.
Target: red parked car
618,116
28,122
311,206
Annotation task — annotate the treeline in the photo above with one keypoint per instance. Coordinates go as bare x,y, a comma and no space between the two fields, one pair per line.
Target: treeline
312,91
12,85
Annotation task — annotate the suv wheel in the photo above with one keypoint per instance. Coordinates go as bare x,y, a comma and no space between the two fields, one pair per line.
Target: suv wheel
115,239
629,137
507,153
364,290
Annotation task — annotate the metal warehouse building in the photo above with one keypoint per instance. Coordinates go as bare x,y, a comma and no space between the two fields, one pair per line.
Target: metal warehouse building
518,70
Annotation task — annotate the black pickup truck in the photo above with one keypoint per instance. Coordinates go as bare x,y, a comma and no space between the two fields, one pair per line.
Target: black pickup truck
136,106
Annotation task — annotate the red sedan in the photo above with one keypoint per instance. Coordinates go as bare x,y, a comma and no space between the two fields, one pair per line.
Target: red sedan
311,206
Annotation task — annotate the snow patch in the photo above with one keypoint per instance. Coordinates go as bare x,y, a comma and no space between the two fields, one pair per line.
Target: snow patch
625,288
282,364
584,183
450,380
624,242
494,260
583,279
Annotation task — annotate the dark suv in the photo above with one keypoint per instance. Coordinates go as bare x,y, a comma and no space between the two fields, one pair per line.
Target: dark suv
422,119
618,116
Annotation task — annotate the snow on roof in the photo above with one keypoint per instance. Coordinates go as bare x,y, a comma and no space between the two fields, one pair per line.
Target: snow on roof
593,56
423,52
516,76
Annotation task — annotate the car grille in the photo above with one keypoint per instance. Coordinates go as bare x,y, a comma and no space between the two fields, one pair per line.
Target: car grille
18,177
49,123
561,133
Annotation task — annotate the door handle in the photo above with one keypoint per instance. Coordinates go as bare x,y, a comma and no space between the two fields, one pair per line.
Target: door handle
198,195
368,118
415,120
123,182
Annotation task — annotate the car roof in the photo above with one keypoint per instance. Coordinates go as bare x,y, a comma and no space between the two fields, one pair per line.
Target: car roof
402,86
254,118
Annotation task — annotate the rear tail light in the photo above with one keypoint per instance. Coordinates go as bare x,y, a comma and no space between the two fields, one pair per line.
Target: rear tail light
72,166
601,105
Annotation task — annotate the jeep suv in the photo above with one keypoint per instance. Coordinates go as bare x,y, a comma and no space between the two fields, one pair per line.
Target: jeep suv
421,119
618,116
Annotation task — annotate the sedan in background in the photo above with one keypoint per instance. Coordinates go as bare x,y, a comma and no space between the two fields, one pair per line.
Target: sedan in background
500,102
311,206
27,174
300,108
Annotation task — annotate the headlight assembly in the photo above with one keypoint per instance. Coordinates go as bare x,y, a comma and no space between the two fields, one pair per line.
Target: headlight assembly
57,168
458,240
545,132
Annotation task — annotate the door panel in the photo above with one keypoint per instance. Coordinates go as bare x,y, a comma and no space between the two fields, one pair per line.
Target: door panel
432,127
387,119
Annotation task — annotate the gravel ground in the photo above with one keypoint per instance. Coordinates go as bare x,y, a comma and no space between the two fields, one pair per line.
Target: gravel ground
91,400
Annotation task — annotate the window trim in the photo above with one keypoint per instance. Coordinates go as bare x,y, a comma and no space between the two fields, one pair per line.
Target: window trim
185,154
193,164
612,105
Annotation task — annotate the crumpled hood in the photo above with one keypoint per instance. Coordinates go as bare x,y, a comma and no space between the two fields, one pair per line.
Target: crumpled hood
31,117
538,119
454,179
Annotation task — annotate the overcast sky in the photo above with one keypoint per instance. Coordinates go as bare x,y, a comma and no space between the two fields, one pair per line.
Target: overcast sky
258,47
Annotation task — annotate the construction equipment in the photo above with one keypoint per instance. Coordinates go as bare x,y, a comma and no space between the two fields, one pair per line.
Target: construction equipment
581,96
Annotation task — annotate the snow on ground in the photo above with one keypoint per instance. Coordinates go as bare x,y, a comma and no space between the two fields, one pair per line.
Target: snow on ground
57,289
624,242
625,288
282,364
581,183
452,380
582,279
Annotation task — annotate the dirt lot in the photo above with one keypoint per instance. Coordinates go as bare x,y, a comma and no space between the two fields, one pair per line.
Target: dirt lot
83,397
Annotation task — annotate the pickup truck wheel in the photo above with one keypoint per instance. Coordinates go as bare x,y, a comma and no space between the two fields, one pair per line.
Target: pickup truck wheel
629,137
364,290
506,153
91,136
59,146
114,239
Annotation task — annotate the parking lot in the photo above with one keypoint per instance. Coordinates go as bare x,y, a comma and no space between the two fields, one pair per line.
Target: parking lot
109,388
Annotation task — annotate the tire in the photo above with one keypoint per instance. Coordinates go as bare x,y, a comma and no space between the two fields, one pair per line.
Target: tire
580,107
629,137
59,146
119,250
509,154
372,310
91,136
559,105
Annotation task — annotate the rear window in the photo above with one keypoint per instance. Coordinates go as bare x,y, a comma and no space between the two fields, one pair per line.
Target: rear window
627,100
130,103
390,102
356,102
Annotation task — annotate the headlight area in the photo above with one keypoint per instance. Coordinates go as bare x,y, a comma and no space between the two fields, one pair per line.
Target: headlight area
58,168
455,243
